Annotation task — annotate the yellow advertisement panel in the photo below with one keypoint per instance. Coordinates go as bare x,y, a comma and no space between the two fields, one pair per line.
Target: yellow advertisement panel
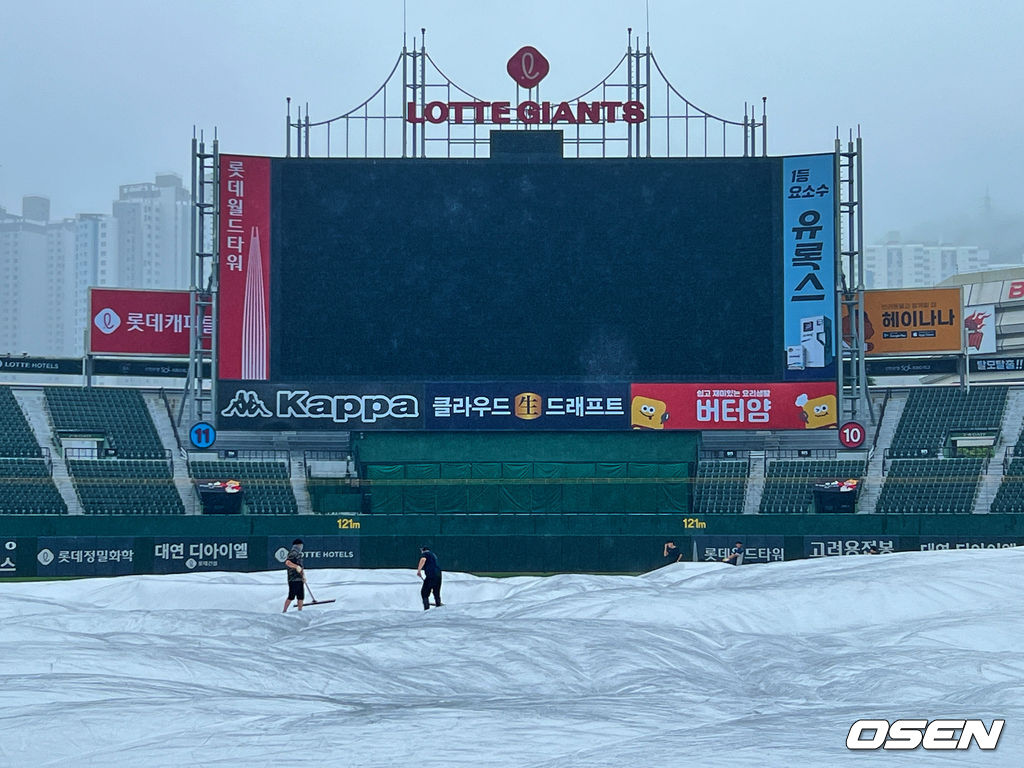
911,321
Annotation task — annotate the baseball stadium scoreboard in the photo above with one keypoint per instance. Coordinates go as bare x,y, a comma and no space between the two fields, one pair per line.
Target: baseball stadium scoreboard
527,291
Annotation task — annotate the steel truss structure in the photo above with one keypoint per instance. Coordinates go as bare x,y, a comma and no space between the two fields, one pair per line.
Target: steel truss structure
855,404
198,400
674,126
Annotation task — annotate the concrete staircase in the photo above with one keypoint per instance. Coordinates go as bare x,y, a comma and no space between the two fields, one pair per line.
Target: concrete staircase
168,437
299,485
33,405
1013,418
885,431
755,484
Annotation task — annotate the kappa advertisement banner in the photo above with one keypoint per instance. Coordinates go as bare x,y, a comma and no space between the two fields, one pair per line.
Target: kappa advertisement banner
264,405
912,321
244,299
317,551
809,243
131,322
789,405
497,406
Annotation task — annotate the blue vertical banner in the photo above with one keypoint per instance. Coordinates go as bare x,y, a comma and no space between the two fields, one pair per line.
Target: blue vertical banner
809,199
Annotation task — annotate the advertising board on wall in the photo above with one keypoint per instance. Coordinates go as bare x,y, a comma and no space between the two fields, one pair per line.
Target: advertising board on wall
757,549
317,551
244,303
85,555
778,405
8,557
140,322
186,554
495,406
258,405
809,251
912,321
533,406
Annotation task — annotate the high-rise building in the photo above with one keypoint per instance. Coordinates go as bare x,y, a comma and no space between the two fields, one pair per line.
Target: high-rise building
96,264
46,269
24,260
59,303
915,265
153,234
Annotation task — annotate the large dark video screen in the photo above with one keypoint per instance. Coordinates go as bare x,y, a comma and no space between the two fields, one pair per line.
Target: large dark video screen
629,269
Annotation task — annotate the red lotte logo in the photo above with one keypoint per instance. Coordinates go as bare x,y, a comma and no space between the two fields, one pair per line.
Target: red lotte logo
528,67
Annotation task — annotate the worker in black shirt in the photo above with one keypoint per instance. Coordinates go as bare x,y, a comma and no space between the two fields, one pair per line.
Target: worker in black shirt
672,553
430,572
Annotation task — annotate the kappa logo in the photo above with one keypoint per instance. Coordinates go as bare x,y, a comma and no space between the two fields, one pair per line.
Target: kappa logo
367,409
246,403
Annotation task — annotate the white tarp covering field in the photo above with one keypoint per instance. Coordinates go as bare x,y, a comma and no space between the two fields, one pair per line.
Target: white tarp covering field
694,664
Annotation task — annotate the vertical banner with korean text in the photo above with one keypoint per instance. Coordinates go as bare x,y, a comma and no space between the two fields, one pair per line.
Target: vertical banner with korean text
809,250
244,274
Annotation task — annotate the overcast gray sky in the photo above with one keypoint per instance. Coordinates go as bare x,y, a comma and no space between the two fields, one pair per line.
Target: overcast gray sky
106,92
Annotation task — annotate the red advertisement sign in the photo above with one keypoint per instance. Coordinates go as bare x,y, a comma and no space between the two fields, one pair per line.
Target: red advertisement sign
244,301
790,405
131,322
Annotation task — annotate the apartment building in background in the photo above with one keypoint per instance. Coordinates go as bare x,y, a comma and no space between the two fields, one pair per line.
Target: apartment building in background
917,265
47,267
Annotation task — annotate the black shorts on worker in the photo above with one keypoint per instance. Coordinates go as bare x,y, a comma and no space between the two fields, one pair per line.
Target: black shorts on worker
296,590
431,584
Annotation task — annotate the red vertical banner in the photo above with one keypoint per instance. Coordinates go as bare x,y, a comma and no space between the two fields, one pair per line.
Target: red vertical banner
244,277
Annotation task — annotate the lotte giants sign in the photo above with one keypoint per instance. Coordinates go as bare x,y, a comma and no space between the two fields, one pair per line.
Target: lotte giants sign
129,322
527,67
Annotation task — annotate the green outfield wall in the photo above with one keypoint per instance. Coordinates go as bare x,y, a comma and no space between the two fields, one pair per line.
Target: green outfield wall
103,546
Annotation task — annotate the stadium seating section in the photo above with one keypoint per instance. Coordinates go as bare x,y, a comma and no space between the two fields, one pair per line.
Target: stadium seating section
26,488
788,487
1010,497
16,437
431,476
720,487
26,484
525,486
266,485
125,487
119,415
933,413
930,485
